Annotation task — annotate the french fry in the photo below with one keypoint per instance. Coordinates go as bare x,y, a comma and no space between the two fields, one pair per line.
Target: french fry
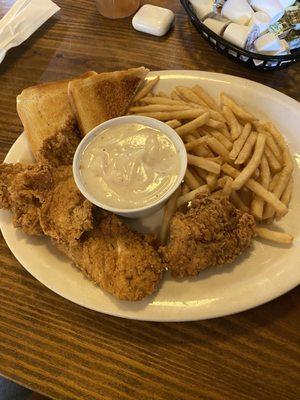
195,143
214,124
239,143
258,189
274,182
168,214
257,204
188,94
219,160
195,173
217,116
174,123
287,194
162,100
238,202
186,198
204,163
272,160
191,179
221,138
162,94
185,189
227,188
193,125
158,107
286,171
232,122
167,115
248,171
274,236
175,95
201,151
201,173
274,148
211,180
256,174
224,130
247,149
146,89
271,142
218,148
246,195
238,110
208,100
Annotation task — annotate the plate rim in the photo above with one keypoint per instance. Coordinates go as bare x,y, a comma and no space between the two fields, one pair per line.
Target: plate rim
271,294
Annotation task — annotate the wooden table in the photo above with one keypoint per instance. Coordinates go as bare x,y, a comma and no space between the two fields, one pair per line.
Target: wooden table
67,352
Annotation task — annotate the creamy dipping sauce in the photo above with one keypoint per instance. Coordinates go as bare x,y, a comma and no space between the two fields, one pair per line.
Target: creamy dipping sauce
129,166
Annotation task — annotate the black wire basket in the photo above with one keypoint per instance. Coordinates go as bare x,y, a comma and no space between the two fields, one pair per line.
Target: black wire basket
249,59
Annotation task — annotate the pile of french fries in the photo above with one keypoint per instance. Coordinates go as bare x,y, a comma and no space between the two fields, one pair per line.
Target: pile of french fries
230,153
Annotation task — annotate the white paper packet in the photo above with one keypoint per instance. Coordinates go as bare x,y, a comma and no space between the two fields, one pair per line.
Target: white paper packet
23,18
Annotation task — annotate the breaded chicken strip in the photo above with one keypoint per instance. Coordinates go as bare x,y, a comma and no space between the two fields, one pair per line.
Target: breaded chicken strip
117,259
44,200
65,214
23,189
7,174
212,232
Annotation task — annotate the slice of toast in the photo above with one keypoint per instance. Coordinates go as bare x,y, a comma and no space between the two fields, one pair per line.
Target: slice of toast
49,121
104,96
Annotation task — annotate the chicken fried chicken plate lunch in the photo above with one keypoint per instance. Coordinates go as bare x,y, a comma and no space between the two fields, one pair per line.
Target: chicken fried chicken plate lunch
220,175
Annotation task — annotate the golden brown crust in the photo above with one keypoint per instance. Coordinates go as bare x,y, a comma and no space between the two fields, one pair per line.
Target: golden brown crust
117,260
27,192
7,174
105,96
65,214
45,200
213,232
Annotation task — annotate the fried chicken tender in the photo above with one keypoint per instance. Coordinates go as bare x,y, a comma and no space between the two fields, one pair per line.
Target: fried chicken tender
23,190
117,259
45,200
65,214
212,232
7,174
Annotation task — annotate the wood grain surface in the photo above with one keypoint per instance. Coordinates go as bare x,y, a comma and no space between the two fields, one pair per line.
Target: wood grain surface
66,352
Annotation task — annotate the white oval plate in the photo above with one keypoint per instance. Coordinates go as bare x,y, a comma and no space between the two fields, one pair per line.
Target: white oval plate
262,274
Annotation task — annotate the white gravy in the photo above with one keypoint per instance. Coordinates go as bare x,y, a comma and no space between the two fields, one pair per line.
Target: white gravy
130,166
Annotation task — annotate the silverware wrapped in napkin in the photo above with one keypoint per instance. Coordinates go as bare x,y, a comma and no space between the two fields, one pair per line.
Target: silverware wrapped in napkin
23,18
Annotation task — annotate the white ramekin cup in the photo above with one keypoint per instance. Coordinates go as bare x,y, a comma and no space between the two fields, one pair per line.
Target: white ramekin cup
151,122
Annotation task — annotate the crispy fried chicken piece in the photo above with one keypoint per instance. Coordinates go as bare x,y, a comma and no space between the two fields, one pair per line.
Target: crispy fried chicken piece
7,174
65,214
25,191
117,259
45,200
212,232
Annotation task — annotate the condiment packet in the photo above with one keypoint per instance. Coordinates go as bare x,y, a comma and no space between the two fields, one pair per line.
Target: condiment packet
292,15
293,39
24,18
280,28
